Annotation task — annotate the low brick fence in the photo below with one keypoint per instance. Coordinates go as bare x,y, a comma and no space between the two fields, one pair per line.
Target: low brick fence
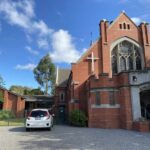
142,126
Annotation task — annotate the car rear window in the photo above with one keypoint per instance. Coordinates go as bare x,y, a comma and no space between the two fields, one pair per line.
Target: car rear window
38,113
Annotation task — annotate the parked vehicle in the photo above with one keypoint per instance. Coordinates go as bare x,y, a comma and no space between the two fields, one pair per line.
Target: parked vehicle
39,118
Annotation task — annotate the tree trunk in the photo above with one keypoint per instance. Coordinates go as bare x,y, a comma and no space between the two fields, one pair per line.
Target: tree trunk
46,88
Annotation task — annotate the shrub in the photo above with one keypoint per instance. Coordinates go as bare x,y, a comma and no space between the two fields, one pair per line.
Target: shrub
78,118
5,114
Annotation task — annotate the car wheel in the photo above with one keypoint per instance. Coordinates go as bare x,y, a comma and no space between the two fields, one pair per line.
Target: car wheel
27,129
50,128
52,125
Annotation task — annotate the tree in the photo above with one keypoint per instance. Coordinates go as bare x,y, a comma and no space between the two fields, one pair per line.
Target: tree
44,73
37,91
2,83
19,89
1,97
24,90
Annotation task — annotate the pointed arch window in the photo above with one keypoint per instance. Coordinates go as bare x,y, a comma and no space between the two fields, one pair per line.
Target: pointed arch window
122,64
126,56
130,63
138,63
124,25
114,64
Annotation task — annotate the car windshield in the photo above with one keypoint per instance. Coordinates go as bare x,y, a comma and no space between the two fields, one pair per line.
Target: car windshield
38,113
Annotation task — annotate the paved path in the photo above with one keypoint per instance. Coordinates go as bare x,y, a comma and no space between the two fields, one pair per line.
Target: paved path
70,138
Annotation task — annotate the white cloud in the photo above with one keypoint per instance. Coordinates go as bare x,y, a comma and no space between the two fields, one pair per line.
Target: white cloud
25,67
42,27
16,12
136,20
63,48
43,43
21,13
30,50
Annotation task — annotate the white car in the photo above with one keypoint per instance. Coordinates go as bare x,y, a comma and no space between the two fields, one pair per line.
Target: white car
39,118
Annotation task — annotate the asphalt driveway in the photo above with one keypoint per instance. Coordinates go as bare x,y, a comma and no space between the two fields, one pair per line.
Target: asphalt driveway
72,138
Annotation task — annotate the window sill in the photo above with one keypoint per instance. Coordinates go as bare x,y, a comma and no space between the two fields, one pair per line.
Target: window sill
105,106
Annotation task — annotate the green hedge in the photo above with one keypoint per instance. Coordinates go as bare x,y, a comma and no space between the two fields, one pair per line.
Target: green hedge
78,118
5,114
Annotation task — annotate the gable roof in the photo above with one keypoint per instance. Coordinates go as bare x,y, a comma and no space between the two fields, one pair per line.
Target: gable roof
3,88
87,52
62,77
90,48
122,13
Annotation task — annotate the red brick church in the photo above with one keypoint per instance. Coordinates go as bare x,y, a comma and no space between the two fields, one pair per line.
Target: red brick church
111,81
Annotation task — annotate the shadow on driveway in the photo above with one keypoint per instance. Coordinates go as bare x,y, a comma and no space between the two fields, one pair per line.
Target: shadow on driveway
17,129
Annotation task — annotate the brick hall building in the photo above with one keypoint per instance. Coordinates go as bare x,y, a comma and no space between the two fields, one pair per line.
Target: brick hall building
12,102
111,81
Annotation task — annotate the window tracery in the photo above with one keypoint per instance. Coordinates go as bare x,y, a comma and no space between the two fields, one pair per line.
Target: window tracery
125,56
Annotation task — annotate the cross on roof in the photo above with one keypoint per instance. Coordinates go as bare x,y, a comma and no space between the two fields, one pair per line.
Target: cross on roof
92,58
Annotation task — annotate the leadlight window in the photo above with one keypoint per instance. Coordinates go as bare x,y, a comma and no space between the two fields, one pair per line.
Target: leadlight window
62,96
112,100
138,63
125,56
114,64
97,98
122,63
130,63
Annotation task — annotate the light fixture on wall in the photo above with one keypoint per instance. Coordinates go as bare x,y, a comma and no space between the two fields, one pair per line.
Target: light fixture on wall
134,78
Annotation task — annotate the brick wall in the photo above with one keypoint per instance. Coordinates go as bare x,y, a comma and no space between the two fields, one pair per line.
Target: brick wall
13,103
83,81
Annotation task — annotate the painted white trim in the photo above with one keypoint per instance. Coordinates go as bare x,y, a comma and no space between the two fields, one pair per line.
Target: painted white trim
105,106
92,58
135,99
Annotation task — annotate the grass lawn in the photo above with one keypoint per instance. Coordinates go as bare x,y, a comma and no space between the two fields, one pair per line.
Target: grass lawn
12,122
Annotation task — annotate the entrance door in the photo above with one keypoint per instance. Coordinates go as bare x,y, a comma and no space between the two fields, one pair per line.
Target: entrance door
145,103
61,116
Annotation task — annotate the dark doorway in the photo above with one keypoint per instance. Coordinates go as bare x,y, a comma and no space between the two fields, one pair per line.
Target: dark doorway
145,104
61,115
1,105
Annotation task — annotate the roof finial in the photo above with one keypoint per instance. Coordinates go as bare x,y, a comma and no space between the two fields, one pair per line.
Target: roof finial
104,20
144,22
123,11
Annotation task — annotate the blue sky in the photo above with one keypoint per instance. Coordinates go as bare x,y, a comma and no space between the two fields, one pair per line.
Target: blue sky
29,29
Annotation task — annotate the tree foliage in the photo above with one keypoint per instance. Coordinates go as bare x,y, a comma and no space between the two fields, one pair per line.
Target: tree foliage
6,114
44,73
78,118
1,97
23,90
19,89
2,83
37,91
